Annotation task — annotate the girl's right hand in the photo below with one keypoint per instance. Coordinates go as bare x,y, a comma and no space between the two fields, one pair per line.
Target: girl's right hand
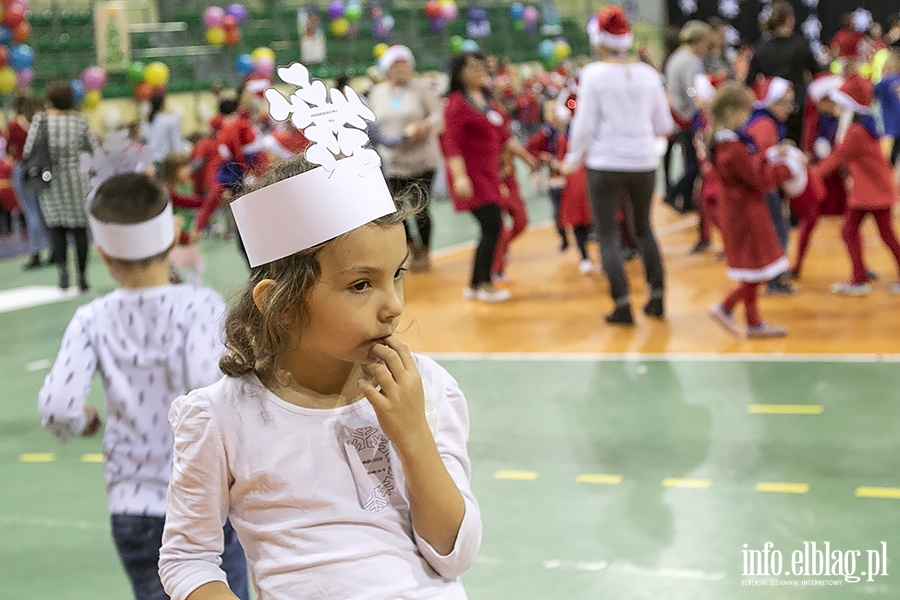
92,422
462,186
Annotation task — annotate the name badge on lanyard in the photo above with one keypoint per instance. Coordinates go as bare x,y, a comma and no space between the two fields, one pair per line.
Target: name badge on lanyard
494,117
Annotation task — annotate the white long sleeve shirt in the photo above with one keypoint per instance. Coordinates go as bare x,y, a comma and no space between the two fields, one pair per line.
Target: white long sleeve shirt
621,111
149,347
317,497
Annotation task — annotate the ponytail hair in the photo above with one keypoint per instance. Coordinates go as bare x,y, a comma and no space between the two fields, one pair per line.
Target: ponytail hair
157,101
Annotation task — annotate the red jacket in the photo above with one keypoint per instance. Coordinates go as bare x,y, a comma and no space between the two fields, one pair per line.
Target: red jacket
870,185
207,158
764,132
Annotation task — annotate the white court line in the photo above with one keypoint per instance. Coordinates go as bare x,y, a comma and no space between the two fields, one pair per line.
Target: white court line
660,357
54,523
33,295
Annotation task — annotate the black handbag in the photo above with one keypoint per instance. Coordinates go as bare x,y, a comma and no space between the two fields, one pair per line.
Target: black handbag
36,169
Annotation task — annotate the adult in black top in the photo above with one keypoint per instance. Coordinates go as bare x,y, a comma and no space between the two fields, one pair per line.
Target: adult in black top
786,54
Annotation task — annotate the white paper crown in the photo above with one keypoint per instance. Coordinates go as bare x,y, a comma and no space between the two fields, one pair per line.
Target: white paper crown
119,154
346,191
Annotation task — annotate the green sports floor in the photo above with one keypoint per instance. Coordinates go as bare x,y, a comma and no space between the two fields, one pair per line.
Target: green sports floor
598,477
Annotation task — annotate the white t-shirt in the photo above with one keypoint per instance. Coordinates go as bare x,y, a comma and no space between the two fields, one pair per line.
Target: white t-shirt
149,347
621,110
317,497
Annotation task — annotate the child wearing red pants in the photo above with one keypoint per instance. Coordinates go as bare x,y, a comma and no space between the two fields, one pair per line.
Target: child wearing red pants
873,189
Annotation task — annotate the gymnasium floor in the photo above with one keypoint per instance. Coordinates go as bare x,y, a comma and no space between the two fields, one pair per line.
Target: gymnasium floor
609,463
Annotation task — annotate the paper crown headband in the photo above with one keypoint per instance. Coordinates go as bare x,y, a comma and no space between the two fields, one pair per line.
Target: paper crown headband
118,154
347,189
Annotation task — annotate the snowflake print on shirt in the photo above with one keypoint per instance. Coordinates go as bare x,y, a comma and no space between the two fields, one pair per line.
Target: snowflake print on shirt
368,453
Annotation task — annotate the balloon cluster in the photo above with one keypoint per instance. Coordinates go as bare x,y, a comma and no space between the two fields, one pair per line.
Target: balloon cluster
459,44
147,79
344,17
259,64
383,24
441,12
86,89
524,18
222,25
16,57
554,51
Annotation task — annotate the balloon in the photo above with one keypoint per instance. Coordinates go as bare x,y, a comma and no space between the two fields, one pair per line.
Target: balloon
433,9
531,15
22,32
264,66
229,22
215,36
24,77
7,80
93,78
143,91
353,12
438,24
78,91
6,35
232,36
21,57
470,46
561,50
449,11
14,14
212,16
456,43
92,99
335,9
550,63
516,12
377,12
519,25
388,22
4,56
244,64
546,49
237,11
340,27
378,50
135,72
261,52
156,73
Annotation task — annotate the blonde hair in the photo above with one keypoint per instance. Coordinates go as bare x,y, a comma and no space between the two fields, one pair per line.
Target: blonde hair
254,337
730,95
172,162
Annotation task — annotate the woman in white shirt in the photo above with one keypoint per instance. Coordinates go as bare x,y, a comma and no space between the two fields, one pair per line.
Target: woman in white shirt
162,130
622,110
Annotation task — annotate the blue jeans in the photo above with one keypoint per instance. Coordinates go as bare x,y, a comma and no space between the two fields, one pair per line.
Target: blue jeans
138,540
38,238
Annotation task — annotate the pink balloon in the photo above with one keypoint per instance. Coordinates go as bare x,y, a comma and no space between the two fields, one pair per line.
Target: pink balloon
24,77
212,16
264,66
93,78
449,12
531,14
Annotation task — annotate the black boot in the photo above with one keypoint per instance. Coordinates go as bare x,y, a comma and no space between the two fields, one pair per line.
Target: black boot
654,308
621,316
82,283
33,263
63,279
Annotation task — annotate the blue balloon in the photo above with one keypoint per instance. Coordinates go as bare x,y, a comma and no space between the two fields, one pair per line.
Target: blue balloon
77,91
516,12
21,57
469,46
244,64
5,35
546,49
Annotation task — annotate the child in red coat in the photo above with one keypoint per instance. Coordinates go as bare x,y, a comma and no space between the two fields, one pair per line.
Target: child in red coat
752,250
873,190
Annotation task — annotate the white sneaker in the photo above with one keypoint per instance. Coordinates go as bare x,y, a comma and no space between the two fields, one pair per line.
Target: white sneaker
851,289
585,266
492,296
469,293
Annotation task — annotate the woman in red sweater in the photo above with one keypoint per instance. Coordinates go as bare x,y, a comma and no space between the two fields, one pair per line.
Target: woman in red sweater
473,141
873,190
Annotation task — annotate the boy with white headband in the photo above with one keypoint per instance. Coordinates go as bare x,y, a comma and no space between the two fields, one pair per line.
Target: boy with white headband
150,342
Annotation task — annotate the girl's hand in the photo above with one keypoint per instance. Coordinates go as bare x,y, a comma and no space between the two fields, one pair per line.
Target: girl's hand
462,185
92,422
400,404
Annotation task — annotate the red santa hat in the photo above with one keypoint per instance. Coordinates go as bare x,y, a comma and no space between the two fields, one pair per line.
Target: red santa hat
855,94
821,86
610,28
770,90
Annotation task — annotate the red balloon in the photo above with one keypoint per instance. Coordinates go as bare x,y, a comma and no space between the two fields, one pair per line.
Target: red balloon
4,56
22,32
229,22
14,14
143,91
433,9
232,36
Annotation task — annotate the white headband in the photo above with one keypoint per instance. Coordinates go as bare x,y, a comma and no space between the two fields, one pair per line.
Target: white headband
393,54
135,241
340,195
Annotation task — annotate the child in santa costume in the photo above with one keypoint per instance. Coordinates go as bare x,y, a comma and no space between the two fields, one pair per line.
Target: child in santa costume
752,250
873,190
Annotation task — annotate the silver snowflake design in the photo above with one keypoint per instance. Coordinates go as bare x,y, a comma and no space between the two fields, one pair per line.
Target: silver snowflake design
814,4
765,13
811,28
117,154
732,37
688,7
729,8
332,120
862,19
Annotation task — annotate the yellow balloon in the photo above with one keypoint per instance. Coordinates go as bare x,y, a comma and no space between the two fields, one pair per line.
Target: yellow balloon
156,73
447,3
215,36
379,49
7,80
562,50
263,52
92,99
340,27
